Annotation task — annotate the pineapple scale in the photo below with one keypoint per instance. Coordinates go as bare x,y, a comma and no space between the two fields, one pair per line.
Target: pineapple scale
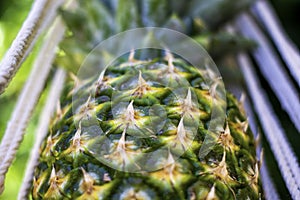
138,114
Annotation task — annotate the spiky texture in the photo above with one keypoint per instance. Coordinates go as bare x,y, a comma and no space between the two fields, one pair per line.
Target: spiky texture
133,108
70,164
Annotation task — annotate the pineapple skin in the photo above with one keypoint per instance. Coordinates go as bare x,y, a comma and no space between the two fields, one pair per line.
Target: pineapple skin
70,166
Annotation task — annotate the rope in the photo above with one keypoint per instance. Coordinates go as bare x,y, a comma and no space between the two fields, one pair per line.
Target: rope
268,184
273,71
28,99
41,14
290,53
42,130
269,189
285,156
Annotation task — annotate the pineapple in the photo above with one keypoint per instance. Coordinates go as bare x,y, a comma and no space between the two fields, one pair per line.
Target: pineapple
136,130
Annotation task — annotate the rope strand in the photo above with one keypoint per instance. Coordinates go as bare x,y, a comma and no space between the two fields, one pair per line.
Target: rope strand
287,49
42,130
41,14
271,68
29,97
285,156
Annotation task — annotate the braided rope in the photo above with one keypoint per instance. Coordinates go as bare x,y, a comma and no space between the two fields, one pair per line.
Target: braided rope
269,188
268,184
270,66
40,16
290,53
285,156
28,99
42,130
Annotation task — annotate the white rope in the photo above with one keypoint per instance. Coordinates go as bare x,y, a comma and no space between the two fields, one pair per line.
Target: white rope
42,130
269,189
28,99
267,183
290,53
41,14
285,156
272,69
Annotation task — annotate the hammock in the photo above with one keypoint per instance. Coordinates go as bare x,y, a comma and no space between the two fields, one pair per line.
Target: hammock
276,61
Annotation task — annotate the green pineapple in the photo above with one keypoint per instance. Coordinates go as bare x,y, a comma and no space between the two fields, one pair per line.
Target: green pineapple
136,130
